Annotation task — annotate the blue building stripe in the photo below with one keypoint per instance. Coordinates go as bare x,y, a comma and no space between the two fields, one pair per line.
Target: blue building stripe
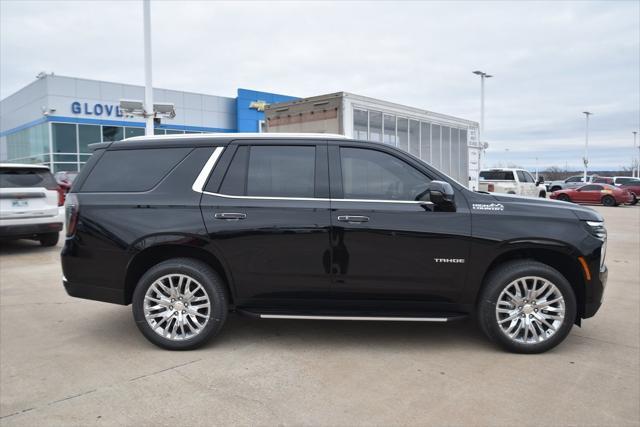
84,121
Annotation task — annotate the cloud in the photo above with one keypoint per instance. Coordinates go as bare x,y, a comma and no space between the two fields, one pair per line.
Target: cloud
551,60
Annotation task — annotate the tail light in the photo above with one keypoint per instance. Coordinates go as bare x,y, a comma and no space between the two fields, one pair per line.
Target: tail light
491,188
60,195
71,209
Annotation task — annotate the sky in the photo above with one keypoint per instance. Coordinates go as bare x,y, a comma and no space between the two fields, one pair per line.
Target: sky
551,60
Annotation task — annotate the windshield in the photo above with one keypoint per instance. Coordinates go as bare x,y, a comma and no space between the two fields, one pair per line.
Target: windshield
26,177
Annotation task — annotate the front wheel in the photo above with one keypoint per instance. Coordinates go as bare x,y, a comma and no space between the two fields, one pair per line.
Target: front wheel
564,197
543,194
526,307
179,304
609,201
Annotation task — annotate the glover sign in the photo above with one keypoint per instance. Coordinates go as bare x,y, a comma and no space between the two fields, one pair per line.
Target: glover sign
108,110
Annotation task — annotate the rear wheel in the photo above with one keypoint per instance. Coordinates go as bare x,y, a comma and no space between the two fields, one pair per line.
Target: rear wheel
48,239
635,200
180,304
609,201
564,197
526,307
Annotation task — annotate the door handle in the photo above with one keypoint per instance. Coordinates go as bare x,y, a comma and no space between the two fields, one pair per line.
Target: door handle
230,216
353,219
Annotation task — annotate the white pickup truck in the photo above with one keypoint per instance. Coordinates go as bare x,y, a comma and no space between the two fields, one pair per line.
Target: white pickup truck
511,181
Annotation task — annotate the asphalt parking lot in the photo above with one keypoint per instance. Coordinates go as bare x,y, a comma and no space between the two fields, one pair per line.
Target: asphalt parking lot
75,362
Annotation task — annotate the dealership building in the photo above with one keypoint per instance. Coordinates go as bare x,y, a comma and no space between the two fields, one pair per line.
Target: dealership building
54,119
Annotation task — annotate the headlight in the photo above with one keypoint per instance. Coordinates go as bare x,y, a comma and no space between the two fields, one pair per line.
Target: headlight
596,228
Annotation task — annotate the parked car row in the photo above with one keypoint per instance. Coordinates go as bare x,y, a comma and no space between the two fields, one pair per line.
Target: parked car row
511,181
605,194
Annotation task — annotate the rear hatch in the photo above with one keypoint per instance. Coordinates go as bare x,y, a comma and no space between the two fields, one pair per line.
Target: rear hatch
27,192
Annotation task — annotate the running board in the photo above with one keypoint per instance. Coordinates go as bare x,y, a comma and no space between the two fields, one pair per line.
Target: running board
371,318
386,317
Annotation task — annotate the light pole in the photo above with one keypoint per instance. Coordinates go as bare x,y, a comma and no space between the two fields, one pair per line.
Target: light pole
148,88
634,148
585,159
483,76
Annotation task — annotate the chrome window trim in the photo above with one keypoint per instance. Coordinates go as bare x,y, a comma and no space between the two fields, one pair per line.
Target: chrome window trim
201,180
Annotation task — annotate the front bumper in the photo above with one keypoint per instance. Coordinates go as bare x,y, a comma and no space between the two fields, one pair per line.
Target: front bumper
594,301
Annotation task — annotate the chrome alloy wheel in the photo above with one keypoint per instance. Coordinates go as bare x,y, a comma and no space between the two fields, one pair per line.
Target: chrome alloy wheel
530,310
177,307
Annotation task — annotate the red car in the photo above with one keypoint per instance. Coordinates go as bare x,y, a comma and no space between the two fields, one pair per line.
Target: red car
633,187
606,194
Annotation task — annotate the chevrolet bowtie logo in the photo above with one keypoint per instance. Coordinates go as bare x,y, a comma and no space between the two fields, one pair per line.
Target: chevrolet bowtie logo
258,105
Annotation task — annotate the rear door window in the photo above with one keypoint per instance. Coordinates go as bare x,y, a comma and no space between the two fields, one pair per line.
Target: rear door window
497,176
132,170
26,177
281,171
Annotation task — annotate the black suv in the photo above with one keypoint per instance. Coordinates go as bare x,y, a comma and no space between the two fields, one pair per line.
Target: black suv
285,226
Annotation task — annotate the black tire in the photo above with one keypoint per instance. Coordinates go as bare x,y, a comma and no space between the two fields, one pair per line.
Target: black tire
49,239
543,194
609,201
635,200
564,197
501,278
212,284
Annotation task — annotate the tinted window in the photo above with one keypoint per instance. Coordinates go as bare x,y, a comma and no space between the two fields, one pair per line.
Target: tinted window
133,170
528,177
235,180
281,171
497,175
574,179
26,177
521,176
591,188
371,174
627,181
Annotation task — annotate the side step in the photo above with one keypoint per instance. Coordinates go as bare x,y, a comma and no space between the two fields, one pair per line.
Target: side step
386,318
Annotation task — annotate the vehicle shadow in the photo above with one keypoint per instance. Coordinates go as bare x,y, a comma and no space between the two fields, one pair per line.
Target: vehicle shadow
118,329
17,247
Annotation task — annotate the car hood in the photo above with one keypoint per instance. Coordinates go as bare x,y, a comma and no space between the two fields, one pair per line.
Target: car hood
581,212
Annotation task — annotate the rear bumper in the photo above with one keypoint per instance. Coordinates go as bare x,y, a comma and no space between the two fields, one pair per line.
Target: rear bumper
29,230
95,293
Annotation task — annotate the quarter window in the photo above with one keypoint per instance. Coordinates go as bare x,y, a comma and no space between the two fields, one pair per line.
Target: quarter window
372,174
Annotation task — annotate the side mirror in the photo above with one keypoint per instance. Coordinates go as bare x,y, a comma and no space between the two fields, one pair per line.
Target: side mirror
540,180
441,194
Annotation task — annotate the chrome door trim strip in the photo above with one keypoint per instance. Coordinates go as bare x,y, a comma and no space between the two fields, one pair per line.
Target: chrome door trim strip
201,180
374,318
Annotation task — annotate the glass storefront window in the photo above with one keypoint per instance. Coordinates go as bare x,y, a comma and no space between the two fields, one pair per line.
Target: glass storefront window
360,124
446,150
174,132
435,146
375,126
455,153
414,138
464,157
88,134
157,131
389,132
29,145
65,141
425,142
403,134
112,133
131,132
